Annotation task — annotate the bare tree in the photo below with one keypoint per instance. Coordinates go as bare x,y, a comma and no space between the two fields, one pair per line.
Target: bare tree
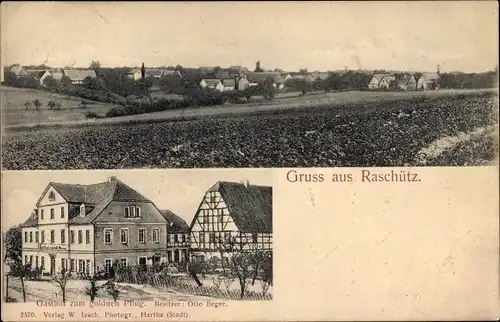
61,279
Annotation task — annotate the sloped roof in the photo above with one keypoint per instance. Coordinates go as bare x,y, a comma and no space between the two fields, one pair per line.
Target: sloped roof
177,224
229,82
259,77
79,74
95,197
30,222
156,72
172,73
251,206
320,75
299,77
430,76
211,81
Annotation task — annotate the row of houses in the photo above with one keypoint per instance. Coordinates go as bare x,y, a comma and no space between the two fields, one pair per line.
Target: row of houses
424,81
75,75
85,228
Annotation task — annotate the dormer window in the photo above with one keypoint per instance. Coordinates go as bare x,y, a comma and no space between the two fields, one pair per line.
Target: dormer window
52,196
132,212
82,210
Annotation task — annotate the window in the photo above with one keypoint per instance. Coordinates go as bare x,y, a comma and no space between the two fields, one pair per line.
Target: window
107,264
51,213
156,235
63,236
172,238
87,266
212,196
124,235
212,237
31,260
80,237
108,236
138,211
52,236
123,261
41,214
132,211
227,236
62,212
25,259
202,237
42,237
31,236
72,267
80,265
179,238
25,236
254,237
37,235
36,261
142,260
127,211
72,237
63,263
142,235
42,261
52,196
87,236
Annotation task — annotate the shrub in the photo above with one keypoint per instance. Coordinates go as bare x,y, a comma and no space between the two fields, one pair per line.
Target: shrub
91,115
117,111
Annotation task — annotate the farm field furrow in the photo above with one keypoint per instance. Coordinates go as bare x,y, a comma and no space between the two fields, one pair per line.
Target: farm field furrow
382,134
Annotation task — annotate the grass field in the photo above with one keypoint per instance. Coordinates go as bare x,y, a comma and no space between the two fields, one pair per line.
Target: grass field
14,111
391,131
17,118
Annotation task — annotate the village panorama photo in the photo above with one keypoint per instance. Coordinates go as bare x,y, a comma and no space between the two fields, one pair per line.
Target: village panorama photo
137,236
302,84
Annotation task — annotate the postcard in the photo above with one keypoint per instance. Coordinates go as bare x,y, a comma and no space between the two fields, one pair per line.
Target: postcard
249,161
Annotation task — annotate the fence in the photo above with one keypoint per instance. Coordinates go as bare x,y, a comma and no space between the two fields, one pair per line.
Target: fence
184,285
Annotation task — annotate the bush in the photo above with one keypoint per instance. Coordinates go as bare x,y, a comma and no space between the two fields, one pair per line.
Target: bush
91,115
117,111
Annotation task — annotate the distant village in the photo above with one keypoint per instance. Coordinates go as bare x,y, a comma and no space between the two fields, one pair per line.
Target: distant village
241,78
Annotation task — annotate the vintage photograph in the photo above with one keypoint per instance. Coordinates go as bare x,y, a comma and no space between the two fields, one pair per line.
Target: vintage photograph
80,236
247,85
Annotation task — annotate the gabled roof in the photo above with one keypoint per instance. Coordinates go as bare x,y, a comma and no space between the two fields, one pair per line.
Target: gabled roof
176,223
172,73
259,77
95,197
430,76
79,74
299,77
229,82
211,81
320,75
156,72
251,206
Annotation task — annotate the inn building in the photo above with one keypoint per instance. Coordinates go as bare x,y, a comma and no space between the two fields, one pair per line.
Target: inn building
89,227
232,217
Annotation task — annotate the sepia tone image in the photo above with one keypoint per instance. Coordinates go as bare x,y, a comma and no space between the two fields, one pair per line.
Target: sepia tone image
89,237
171,85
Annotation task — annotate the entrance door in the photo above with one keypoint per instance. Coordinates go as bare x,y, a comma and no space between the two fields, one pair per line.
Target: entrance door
142,260
52,265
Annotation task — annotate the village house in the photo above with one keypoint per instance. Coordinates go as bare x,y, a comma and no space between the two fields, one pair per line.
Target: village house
78,75
212,83
381,81
177,238
88,227
411,85
428,81
236,71
232,216
136,73
255,78
229,84
243,83
319,76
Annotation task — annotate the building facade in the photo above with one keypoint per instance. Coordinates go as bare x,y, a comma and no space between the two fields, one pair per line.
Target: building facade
85,228
177,238
232,216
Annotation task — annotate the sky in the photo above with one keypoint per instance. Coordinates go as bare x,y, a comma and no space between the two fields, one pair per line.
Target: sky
458,35
180,191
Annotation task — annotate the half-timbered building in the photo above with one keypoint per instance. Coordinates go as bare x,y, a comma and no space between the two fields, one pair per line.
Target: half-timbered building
177,238
232,216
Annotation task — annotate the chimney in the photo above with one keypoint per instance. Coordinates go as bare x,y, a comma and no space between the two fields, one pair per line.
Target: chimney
112,179
82,210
